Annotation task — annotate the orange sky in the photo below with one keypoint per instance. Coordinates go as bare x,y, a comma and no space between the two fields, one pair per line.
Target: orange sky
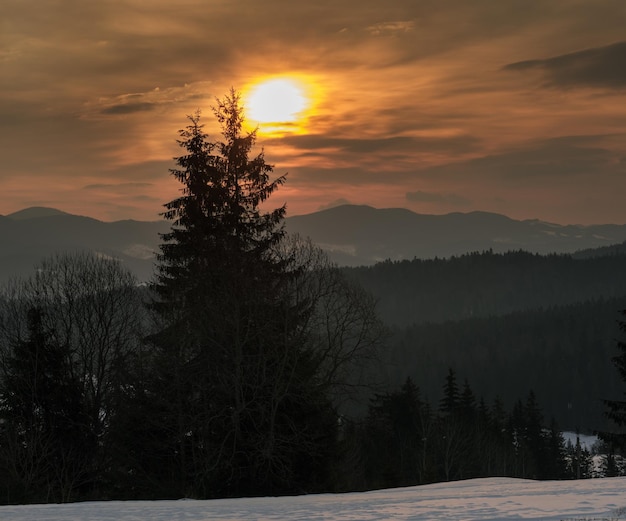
516,106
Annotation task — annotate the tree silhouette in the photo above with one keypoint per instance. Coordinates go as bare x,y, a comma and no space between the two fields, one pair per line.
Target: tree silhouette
617,408
67,336
238,393
41,413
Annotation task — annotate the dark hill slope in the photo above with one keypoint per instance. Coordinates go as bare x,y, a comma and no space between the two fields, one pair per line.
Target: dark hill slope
27,239
562,353
487,284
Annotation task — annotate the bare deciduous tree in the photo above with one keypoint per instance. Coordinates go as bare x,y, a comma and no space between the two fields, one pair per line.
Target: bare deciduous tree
90,317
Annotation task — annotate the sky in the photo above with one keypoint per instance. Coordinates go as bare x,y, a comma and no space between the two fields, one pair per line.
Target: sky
516,107
488,499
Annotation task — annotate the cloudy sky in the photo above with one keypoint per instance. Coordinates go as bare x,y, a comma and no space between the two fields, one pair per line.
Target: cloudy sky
509,106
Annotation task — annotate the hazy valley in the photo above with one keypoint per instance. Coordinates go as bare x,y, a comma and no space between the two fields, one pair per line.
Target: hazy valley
352,236
507,320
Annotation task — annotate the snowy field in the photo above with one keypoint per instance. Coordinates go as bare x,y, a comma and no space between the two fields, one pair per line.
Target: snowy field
486,499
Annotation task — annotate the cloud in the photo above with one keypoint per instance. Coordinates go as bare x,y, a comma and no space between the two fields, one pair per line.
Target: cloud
432,197
535,164
602,67
560,180
568,160
407,95
350,177
129,108
333,204
117,186
458,144
391,28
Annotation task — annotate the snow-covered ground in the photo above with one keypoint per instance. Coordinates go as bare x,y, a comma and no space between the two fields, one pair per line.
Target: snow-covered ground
488,499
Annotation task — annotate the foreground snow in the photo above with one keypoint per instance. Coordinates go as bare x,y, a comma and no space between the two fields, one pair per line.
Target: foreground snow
477,499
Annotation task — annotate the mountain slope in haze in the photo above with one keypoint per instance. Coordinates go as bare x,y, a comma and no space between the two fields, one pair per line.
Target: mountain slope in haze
35,212
362,235
353,236
29,235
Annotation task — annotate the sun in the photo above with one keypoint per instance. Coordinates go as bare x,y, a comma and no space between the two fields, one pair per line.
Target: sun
277,104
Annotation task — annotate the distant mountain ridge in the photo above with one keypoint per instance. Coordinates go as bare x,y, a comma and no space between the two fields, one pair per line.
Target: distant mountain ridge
362,235
35,212
352,235
29,235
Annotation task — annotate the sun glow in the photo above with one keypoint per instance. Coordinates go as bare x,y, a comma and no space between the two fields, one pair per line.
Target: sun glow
278,105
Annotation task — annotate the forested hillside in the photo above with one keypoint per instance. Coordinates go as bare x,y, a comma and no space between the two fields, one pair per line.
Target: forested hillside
510,323
487,284
613,249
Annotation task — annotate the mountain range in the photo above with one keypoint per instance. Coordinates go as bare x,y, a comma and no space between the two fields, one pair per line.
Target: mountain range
362,235
29,235
352,235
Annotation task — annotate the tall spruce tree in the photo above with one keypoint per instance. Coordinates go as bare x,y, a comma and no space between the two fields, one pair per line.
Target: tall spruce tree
239,407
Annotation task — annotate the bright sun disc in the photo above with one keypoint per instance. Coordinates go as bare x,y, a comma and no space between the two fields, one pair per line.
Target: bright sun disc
276,101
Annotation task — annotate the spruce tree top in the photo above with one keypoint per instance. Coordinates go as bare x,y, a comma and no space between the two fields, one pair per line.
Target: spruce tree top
216,222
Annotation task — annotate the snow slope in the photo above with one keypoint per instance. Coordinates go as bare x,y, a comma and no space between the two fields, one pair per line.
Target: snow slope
487,499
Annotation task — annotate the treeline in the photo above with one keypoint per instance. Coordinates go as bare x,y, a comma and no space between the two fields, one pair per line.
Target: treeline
603,251
487,284
510,322
86,414
563,353
406,440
